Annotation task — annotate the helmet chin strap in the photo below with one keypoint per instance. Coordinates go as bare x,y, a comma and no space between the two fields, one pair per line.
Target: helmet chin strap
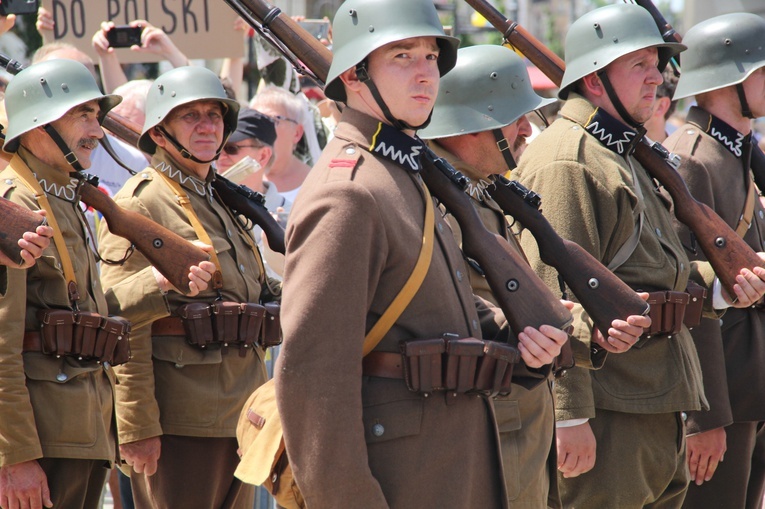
616,101
69,154
363,75
185,153
504,147
746,112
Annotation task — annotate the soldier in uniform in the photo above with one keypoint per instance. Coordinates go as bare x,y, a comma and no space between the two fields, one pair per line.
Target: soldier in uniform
195,359
356,436
479,124
599,196
58,435
724,68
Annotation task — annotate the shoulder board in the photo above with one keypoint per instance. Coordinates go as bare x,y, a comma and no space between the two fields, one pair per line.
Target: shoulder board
137,181
6,184
344,163
686,141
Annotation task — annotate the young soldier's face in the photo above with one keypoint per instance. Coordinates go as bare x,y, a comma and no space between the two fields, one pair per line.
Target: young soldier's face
406,74
635,77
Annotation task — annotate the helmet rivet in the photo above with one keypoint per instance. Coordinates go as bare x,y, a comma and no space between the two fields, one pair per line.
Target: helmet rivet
616,39
42,80
172,94
160,86
34,119
728,42
371,28
514,85
352,12
64,87
490,108
596,25
494,75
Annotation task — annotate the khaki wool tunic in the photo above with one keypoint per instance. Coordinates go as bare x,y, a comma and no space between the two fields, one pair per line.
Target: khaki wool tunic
588,195
355,441
52,407
170,386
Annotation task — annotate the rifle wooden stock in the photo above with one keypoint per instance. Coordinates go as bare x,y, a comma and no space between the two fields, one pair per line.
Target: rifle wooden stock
170,253
17,220
604,296
251,205
524,298
726,251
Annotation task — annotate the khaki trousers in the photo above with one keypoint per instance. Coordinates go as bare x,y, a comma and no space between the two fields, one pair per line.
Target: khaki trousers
640,462
193,473
74,482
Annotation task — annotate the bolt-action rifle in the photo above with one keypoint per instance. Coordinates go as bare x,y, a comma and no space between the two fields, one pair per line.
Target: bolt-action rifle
726,251
603,288
172,255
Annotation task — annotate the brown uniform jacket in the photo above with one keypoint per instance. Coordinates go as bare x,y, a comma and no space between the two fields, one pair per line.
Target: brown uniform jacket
731,350
588,196
52,407
525,417
170,386
354,235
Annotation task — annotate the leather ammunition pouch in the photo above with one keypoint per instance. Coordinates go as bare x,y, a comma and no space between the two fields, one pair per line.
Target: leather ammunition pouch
81,334
224,324
454,365
670,310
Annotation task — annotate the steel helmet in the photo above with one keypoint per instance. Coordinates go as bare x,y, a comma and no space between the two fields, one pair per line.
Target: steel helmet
180,86
489,88
722,51
44,92
362,26
601,36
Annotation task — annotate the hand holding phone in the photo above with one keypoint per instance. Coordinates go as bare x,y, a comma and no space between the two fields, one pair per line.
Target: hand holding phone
124,36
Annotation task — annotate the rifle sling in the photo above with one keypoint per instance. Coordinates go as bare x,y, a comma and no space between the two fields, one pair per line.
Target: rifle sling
407,292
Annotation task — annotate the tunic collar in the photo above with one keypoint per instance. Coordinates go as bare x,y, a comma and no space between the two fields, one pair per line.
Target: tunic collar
54,182
612,133
164,163
736,142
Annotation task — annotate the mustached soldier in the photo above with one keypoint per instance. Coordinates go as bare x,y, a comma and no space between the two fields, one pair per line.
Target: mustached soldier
724,68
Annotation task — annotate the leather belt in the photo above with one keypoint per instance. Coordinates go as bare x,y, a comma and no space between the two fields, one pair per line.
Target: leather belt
168,326
32,341
383,365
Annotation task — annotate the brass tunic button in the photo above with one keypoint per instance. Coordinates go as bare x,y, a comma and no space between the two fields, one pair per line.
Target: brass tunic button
459,275
228,232
441,227
683,416
378,430
8,181
241,267
61,377
178,366
350,150
658,232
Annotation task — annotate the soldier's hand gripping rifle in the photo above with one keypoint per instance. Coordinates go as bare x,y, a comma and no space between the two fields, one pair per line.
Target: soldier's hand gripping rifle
172,255
727,252
669,34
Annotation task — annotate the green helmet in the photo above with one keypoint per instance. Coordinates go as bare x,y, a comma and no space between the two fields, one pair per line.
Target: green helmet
180,86
605,34
362,26
489,88
722,51
44,92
